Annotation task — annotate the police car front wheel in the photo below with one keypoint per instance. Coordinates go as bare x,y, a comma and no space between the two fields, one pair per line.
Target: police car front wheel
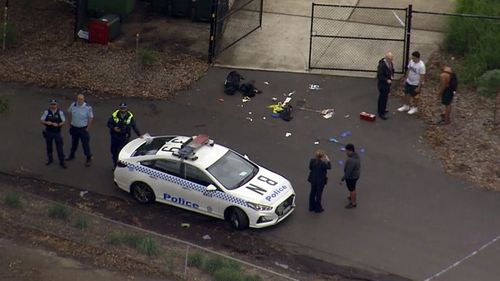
237,218
142,193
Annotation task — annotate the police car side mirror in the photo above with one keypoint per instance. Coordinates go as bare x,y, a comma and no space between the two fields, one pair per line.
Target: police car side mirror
211,187
246,157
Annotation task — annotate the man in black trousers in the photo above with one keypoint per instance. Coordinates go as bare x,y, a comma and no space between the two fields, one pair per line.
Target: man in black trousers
385,74
318,167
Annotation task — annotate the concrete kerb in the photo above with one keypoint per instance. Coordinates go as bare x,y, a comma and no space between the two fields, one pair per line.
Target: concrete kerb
135,228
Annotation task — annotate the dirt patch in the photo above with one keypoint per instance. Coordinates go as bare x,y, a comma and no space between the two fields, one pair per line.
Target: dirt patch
469,147
245,245
45,54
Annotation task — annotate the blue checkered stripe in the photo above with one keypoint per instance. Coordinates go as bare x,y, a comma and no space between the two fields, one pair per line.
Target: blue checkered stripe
185,183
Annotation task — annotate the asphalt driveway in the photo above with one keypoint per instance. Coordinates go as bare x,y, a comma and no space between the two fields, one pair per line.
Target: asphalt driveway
412,219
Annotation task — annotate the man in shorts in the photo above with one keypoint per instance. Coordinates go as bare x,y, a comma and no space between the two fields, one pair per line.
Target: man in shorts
352,169
448,87
414,80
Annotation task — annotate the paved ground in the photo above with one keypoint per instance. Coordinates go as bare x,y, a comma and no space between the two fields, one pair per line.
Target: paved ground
412,219
283,42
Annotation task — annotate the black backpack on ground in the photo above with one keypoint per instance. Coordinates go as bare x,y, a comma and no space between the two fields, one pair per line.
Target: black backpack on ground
453,84
232,83
249,89
286,113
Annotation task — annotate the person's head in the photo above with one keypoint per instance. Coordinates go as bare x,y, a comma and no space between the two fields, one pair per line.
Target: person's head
349,149
447,69
319,154
123,107
53,104
80,99
388,56
415,56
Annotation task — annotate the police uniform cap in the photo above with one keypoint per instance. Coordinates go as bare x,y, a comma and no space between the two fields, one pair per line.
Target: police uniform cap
52,101
122,105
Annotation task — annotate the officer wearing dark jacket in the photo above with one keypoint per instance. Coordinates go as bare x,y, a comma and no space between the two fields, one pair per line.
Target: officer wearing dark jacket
318,167
120,124
53,119
385,73
352,171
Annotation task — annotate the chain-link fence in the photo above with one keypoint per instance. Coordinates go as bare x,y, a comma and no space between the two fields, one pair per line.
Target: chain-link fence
355,38
233,20
119,246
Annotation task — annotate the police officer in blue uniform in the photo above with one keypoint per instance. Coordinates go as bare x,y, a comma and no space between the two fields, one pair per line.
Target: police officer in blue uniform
53,119
120,124
81,120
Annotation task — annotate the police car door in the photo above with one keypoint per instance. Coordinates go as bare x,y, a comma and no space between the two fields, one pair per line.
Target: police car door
167,180
208,203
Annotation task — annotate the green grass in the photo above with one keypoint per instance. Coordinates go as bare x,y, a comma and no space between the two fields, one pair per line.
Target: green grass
228,274
143,244
147,56
474,40
82,223
489,83
12,200
253,278
196,259
58,211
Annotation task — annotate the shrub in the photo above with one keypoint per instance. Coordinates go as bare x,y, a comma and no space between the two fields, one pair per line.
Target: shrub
489,83
82,223
196,259
253,278
12,200
143,244
58,211
11,35
4,105
148,246
228,274
147,56
213,264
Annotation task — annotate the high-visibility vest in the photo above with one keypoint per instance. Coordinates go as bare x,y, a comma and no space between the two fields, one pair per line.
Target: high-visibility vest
117,119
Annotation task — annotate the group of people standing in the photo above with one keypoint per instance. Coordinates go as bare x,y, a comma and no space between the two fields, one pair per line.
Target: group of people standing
318,168
81,114
414,81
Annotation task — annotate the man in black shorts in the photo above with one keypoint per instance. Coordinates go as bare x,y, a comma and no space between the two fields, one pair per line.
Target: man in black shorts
352,171
448,88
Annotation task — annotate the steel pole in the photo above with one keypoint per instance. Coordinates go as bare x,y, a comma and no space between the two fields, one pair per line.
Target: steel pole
5,17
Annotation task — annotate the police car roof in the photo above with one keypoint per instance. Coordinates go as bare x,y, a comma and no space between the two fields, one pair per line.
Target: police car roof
206,155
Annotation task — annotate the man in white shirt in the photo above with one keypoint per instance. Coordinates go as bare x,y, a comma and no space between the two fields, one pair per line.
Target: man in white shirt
414,80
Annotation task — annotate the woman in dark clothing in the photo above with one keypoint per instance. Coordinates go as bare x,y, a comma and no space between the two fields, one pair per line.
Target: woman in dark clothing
318,167
352,170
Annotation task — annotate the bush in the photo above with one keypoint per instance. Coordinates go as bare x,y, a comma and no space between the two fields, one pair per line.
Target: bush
253,278
489,83
196,259
228,274
12,200
143,244
82,223
476,40
4,105
58,211
11,35
147,56
213,264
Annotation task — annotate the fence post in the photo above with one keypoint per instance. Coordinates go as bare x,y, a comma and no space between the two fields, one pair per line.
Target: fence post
408,36
213,30
186,261
5,24
261,12
311,36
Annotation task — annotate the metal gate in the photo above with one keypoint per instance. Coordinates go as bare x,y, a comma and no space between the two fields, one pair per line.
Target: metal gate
353,38
231,21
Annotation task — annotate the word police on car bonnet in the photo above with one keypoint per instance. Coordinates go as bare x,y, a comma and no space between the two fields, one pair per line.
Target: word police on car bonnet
276,192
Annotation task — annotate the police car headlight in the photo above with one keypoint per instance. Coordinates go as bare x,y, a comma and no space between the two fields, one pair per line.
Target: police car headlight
259,207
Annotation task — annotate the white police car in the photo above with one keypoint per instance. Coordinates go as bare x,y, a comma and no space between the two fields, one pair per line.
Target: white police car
201,176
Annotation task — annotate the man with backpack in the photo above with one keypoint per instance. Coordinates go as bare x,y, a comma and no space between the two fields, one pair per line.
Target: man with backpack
448,87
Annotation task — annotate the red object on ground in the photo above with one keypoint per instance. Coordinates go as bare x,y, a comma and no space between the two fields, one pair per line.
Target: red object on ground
367,116
98,32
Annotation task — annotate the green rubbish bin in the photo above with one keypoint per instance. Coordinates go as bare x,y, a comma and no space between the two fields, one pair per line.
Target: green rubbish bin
201,10
160,6
120,7
179,8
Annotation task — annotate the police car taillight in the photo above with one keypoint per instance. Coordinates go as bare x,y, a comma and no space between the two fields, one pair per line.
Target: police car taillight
121,164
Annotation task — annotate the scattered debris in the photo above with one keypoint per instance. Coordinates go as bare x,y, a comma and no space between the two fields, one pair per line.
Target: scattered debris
274,99
245,99
82,193
342,149
316,142
264,117
345,134
281,265
347,116
288,134
221,100
206,237
314,87
265,82
290,94
249,113
340,162
362,150
249,119
185,225
328,115
333,140
367,116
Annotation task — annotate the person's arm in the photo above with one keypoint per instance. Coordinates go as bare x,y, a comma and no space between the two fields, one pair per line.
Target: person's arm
42,119
311,165
384,73
63,119
91,118
443,82
422,76
134,127
349,168
111,123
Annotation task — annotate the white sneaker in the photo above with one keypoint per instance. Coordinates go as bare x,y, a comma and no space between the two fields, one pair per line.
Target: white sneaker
404,108
413,110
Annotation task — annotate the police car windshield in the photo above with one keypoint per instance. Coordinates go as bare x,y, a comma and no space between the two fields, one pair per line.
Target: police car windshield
232,170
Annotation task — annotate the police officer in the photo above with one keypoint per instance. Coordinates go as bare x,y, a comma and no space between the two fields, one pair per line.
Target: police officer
120,124
53,119
81,120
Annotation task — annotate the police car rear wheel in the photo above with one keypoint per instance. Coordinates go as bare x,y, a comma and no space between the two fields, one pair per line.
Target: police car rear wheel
238,218
142,193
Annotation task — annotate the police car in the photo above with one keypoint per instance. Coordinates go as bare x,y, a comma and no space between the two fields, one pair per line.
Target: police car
196,174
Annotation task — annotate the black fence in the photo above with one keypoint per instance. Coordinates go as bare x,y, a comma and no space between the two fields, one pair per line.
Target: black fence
232,20
352,38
